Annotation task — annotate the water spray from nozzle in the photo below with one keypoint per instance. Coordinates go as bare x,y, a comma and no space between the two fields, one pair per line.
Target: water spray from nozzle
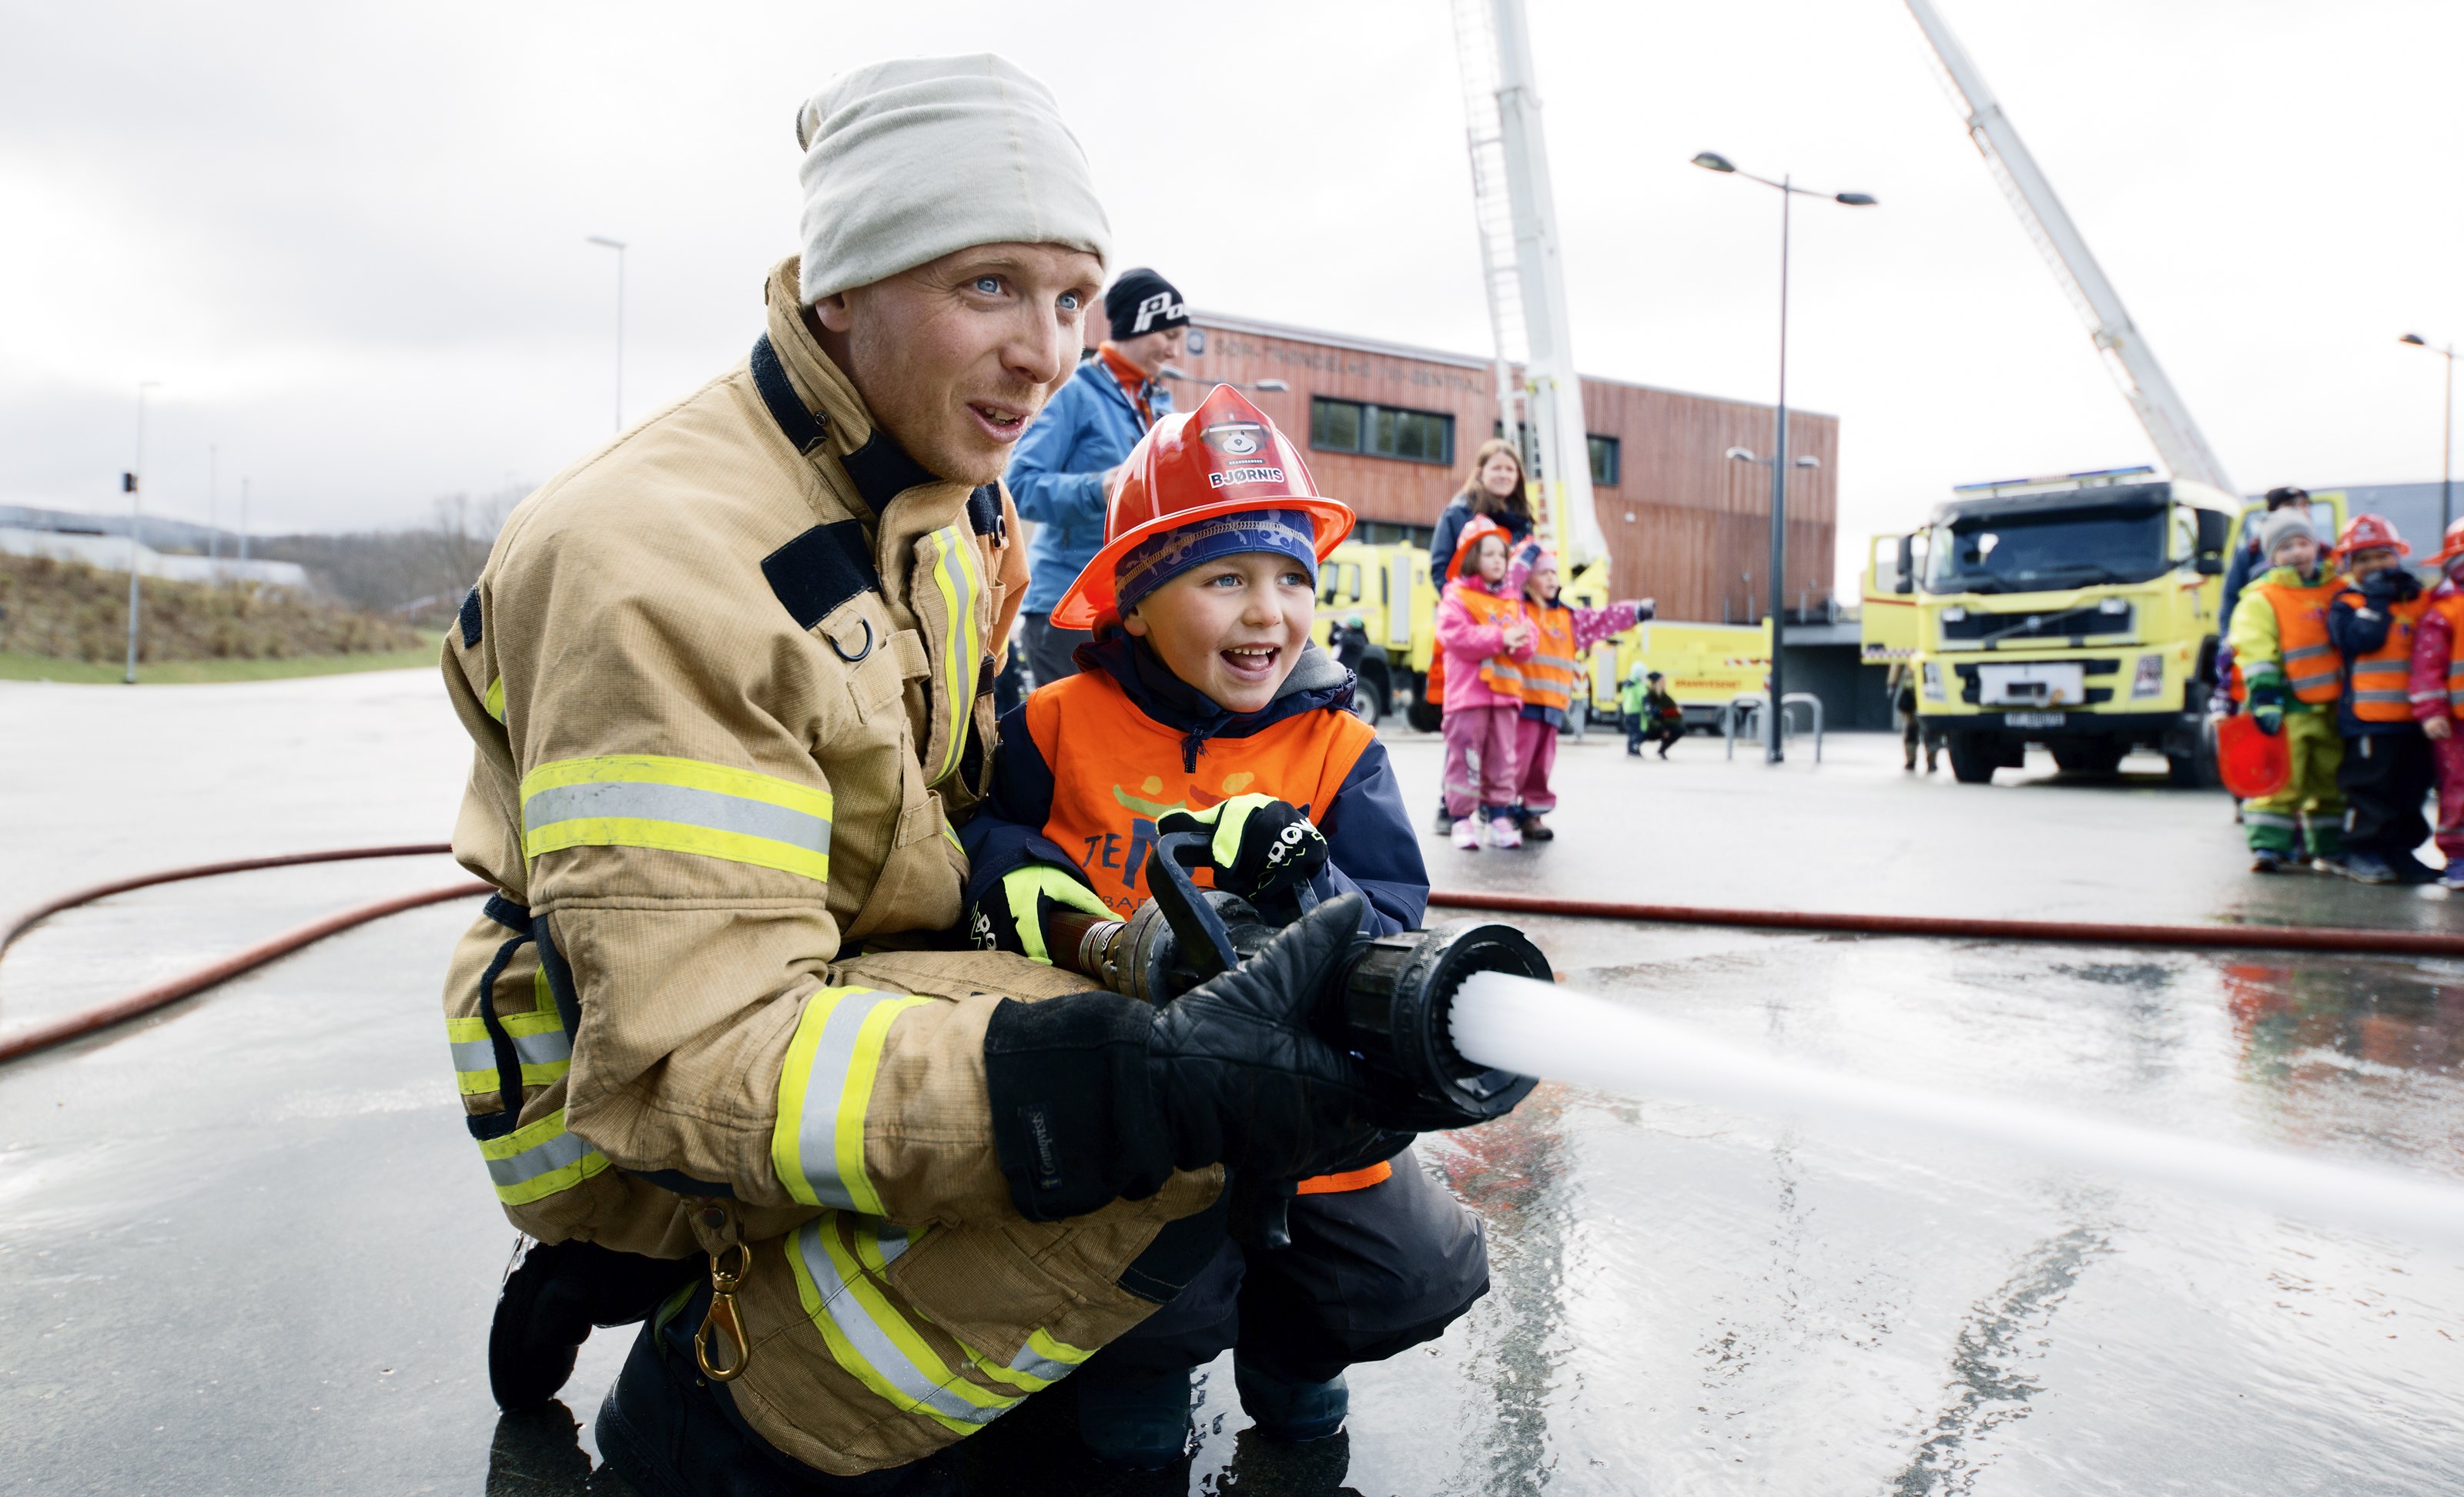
1540,1028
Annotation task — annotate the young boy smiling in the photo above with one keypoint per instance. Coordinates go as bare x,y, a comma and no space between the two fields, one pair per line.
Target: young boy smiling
1201,703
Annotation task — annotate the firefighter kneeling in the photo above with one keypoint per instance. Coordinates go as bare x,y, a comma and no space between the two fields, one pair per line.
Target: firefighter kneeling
728,684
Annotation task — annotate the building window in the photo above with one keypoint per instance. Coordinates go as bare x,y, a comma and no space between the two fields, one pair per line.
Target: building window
1604,461
1350,426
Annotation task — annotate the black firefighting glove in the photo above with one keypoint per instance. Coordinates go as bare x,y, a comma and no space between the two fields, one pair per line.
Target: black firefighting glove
1260,845
1011,915
2267,702
1095,1096
2388,584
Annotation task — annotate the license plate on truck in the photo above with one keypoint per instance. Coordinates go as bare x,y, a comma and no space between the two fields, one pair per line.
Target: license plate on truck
2033,719
2053,683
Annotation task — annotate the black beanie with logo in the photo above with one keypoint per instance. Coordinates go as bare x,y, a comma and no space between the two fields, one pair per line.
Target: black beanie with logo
1142,302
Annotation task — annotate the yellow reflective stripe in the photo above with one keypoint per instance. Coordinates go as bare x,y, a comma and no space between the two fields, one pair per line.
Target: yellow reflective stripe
955,575
677,806
953,836
825,1086
538,1160
495,701
539,1044
873,1341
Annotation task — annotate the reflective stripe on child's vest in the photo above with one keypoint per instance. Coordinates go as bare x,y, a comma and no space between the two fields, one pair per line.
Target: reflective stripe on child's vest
1549,675
2382,680
2310,662
2452,605
1501,671
1115,769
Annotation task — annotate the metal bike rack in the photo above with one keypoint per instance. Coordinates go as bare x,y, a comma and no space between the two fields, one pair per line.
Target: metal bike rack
1753,704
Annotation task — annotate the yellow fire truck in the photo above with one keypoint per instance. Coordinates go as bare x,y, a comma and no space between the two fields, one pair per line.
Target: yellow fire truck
2077,612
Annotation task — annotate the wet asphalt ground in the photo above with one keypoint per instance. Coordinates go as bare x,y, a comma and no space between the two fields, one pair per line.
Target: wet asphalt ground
248,1248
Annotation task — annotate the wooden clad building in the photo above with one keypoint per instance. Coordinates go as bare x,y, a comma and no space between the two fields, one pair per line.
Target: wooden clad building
1390,429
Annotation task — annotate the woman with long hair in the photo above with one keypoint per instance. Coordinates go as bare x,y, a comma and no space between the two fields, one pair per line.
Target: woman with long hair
1493,486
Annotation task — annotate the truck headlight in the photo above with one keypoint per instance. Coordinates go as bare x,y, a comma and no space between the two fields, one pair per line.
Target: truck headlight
1932,681
2151,679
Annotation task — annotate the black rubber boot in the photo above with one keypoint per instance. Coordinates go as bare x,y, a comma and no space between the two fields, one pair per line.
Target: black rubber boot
1136,1426
550,1302
1291,1412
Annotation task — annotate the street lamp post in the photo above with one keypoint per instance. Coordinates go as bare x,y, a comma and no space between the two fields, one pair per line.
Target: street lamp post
2446,433
617,245
1711,161
129,480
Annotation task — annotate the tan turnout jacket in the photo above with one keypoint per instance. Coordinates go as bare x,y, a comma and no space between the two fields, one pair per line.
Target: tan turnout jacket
727,697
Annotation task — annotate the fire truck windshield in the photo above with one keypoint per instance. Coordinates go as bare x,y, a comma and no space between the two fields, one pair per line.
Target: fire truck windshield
2044,549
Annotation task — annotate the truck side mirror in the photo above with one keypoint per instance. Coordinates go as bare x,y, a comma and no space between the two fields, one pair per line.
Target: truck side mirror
1903,577
2215,538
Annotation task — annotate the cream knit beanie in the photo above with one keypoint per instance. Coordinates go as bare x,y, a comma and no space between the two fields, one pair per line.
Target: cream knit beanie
909,161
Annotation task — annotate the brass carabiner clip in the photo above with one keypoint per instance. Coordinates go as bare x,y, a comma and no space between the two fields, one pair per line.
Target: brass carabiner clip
722,1318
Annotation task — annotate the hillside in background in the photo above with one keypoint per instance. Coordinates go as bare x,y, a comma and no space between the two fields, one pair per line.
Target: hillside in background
61,610
418,574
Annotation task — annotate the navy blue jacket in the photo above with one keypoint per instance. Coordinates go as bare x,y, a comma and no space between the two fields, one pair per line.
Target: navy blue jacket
1056,476
1371,844
2357,632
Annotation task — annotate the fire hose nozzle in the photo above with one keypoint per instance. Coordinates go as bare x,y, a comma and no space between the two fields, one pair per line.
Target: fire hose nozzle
1389,999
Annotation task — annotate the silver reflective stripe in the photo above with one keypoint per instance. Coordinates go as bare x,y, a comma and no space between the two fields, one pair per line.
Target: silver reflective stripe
2266,819
553,1153
1035,1364
635,801
530,1049
816,1127
1550,660
2304,651
871,1343
891,1240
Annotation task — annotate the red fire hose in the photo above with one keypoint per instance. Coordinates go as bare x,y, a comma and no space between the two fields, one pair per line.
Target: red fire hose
2248,937
144,1000
44,911
2347,939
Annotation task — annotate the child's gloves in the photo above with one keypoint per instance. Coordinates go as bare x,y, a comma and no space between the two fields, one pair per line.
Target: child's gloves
2267,703
1262,845
1011,914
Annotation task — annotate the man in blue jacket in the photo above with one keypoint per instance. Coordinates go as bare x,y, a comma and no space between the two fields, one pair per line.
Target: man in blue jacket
1061,474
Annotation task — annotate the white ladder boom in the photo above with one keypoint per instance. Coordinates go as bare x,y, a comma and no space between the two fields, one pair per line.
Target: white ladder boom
2158,406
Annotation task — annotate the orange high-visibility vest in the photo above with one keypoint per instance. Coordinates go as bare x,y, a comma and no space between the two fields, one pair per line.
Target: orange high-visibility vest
1503,673
2382,681
2452,607
1114,770
2311,665
1549,676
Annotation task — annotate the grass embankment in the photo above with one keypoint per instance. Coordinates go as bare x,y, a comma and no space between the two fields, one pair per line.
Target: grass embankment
61,621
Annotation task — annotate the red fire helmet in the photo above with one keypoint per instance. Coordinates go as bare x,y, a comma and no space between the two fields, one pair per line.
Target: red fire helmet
2453,547
2370,533
1224,458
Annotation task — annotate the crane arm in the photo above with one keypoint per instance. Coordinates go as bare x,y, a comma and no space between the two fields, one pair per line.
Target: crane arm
2158,406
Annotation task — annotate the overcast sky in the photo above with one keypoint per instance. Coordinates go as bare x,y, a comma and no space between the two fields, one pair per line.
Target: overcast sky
348,240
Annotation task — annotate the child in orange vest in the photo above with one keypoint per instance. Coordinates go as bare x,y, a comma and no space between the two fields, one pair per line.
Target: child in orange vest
2386,770
1562,639
2438,695
1201,704
1485,637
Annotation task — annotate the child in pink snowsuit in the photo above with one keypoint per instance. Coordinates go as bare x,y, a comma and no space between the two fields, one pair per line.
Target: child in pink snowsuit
1482,629
1562,637
2438,692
